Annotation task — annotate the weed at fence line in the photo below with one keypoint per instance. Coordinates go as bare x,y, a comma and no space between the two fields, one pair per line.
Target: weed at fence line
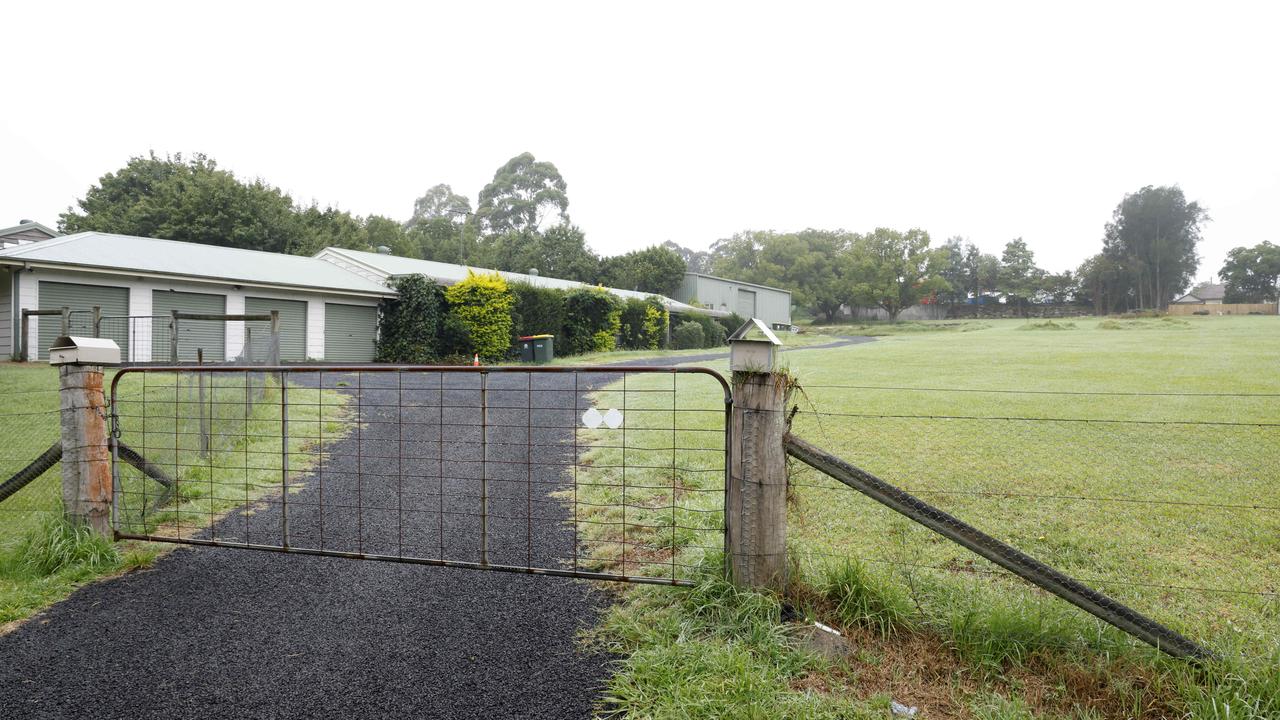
58,543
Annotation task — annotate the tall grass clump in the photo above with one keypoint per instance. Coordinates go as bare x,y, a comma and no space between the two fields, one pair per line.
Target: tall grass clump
862,598
58,543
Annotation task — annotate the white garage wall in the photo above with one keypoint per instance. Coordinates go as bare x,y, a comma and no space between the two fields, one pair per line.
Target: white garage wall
140,290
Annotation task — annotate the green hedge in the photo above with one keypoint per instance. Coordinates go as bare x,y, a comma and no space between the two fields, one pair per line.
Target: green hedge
537,311
482,304
484,315
732,322
687,336
713,333
643,324
409,325
592,322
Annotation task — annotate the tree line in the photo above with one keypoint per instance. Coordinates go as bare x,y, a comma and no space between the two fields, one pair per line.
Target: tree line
520,223
1148,259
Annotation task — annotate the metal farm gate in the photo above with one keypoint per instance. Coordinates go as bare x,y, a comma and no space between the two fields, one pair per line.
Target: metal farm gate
598,472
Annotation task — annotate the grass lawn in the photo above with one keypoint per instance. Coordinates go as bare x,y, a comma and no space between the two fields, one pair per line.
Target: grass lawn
1166,511
42,560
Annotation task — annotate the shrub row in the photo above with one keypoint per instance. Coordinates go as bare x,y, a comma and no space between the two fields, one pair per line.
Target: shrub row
485,315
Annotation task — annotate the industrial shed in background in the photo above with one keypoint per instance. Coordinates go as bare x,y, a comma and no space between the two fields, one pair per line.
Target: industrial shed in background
770,304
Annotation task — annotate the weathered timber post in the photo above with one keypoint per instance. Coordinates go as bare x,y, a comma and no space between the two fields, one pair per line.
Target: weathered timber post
205,420
86,455
173,337
273,348
756,514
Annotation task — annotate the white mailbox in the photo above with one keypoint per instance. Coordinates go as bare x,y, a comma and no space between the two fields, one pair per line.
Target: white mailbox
753,348
71,350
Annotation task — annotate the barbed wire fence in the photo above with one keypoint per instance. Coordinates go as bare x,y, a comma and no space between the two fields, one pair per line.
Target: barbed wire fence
1168,502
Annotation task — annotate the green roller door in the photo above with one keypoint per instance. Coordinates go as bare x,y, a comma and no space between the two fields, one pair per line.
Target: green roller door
208,335
293,325
114,301
349,332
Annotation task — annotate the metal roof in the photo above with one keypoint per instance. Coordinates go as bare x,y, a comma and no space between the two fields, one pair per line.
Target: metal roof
28,225
126,254
448,274
738,282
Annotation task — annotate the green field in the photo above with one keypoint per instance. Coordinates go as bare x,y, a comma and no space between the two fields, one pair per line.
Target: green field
1161,488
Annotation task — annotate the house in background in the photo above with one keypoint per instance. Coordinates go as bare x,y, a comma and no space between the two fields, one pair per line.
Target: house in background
26,231
1207,294
325,312
770,304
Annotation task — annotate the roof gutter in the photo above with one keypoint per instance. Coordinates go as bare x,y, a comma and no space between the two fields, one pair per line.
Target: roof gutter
31,264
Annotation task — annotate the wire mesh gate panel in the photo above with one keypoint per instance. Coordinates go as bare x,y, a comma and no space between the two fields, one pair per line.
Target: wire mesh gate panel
599,472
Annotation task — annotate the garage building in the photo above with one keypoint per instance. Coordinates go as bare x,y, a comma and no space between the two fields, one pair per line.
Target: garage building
325,312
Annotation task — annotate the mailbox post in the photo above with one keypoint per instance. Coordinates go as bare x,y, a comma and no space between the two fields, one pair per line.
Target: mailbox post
86,456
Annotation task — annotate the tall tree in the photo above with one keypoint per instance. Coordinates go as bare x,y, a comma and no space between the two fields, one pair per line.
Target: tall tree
1153,233
954,267
1059,287
1019,276
656,269
560,252
1101,282
439,202
190,200
698,261
446,240
894,270
523,192
1252,274
812,264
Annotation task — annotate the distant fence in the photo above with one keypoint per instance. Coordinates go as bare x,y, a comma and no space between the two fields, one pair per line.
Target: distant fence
1223,309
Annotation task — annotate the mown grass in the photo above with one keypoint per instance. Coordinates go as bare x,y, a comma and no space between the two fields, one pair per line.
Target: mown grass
43,558
862,568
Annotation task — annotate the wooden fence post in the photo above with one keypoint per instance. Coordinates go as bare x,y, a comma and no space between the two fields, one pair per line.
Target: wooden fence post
173,337
86,458
756,514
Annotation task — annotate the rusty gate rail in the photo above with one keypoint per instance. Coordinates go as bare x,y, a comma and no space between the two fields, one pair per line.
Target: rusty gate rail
485,467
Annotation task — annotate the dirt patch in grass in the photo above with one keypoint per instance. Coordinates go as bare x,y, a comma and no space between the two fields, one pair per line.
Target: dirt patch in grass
918,667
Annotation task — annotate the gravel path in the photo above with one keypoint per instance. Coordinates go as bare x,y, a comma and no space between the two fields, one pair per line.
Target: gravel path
219,633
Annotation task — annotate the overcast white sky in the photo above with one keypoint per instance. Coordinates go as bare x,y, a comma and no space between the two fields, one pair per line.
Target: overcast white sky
682,121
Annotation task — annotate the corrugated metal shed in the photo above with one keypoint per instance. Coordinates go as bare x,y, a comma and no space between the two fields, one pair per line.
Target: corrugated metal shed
770,304
126,254
388,266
